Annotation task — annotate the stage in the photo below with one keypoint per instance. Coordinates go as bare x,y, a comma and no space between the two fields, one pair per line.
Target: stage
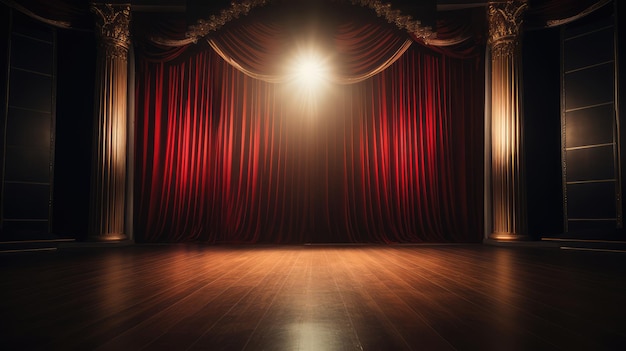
313,297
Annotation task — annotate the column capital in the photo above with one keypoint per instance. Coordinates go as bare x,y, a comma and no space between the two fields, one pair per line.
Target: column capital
113,28
505,22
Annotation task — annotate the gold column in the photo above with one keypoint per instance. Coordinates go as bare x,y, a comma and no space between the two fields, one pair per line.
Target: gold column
108,175
508,181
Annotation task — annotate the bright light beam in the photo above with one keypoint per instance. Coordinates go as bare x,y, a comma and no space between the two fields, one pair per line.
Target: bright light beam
309,81
310,71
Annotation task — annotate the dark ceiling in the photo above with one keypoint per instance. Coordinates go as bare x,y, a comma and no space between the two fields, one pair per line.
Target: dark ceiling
182,5
422,10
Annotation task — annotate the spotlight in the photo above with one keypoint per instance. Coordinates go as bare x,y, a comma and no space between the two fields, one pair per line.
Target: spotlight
310,70
309,75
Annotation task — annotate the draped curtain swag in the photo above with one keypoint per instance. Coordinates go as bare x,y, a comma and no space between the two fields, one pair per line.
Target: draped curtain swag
360,50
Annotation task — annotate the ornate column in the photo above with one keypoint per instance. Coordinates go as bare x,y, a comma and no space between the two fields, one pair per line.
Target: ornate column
108,175
508,181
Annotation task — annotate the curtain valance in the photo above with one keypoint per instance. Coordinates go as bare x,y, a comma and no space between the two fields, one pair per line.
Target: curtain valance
353,51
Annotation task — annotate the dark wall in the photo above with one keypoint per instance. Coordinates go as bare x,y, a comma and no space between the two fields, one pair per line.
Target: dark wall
620,10
591,166
75,101
5,23
74,65
28,128
542,114
542,89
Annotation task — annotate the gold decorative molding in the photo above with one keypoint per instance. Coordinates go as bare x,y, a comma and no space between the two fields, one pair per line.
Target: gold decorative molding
238,9
505,22
404,22
113,28
203,27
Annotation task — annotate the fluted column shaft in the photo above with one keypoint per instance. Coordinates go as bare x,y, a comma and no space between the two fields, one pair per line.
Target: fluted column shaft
108,176
508,180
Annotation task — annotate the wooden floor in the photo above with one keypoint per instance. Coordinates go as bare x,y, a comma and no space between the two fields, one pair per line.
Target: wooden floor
179,297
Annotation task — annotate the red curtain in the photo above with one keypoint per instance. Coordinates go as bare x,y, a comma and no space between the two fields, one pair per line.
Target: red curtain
223,157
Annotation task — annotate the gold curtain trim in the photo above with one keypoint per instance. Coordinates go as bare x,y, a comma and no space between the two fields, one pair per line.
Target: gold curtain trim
337,80
27,12
446,42
585,12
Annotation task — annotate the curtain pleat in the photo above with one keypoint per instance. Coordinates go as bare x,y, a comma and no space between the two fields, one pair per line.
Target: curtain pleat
266,49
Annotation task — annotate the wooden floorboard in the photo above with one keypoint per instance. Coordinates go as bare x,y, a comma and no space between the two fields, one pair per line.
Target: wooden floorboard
324,297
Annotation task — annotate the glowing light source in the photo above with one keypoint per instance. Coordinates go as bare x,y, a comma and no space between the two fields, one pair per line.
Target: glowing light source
309,80
310,70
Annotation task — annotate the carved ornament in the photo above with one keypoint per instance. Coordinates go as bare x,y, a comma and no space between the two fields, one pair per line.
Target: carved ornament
112,28
404,22
505,22
237,9
215,22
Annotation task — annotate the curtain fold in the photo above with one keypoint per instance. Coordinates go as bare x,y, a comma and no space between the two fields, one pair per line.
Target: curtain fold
265,49
224,157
